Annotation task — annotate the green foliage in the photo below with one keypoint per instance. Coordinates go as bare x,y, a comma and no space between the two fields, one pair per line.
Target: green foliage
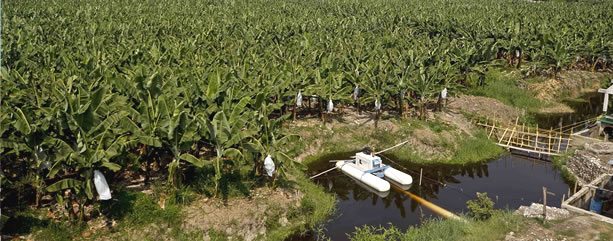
475,149
504,87
135,209
199,84
560,163
481,208
494,228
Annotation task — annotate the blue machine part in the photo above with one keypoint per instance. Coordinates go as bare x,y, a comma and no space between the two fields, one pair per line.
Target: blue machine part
595,206
377,171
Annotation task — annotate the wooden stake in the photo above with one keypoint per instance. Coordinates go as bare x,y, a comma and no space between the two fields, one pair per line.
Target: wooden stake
513,132
544,204
493,127
523,131
421,170
563,197
536,140
549,146
560,142
575,190
503,134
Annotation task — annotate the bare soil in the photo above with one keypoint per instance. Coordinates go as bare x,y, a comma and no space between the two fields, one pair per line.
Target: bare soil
239,218
569,84
423,141
484,106
244,218
573,228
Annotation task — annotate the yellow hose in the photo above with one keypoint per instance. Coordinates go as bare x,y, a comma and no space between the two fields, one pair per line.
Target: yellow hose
429,205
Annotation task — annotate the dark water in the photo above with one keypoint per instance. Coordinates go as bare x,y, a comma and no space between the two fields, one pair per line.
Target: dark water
587,106
510,181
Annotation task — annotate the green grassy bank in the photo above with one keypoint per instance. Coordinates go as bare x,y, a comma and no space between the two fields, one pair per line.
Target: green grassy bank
443,144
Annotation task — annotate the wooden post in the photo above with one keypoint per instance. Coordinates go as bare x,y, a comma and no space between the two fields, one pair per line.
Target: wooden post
512,132
544,204
493,128
563,197
523,132
569,137
503,134
421,170
549,146
575,190
536,139
560,142
568,192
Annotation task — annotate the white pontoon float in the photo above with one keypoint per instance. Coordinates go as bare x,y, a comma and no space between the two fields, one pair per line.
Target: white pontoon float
370,170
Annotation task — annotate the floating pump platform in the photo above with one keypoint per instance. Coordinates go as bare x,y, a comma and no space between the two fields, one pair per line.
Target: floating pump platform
369,170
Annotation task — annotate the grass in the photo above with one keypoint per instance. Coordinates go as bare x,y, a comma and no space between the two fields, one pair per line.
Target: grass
495,228
503,86
560,163
568,233
314,209
31,221
462,148
140,217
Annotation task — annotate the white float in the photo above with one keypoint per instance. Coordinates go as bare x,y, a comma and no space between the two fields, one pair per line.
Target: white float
370,170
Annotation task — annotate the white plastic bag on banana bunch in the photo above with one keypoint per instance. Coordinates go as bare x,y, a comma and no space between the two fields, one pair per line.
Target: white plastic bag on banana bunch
330,106
269,166
101,186
356,92
444,94
377,104
299,99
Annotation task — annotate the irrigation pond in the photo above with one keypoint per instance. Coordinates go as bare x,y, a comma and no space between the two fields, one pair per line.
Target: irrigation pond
510,181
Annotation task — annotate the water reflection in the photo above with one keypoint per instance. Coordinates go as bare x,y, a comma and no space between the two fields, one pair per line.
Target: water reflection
510,181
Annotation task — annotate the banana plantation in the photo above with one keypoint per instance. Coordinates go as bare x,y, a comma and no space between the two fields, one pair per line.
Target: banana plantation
120,85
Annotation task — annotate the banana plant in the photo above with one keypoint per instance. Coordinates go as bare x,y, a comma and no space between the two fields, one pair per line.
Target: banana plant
225,133
92,139
271,141
557,56
179,131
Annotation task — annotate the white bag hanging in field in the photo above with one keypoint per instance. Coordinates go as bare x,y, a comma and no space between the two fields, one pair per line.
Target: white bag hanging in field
444,94
356,92
269,166
377,104
330,106
299,99
101,186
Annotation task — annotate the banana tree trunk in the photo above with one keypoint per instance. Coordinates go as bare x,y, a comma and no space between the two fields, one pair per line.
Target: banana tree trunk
217,173
377,118
593,67
421,109
400,105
